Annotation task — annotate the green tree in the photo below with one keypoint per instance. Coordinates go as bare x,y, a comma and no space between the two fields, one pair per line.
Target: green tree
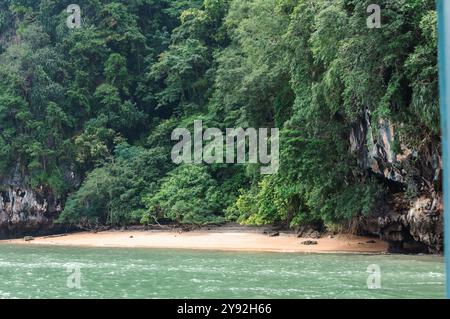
187,195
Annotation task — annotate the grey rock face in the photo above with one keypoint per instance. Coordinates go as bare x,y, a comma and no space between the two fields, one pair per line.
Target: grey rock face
425,223
413,212
24,211
421,223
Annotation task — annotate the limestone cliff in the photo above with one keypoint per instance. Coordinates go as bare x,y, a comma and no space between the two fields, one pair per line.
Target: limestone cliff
412,213
27,211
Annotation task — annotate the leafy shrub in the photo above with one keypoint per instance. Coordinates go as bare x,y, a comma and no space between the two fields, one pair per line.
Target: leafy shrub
187,195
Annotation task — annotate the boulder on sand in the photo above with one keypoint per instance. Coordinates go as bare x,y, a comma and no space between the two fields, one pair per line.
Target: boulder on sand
310,243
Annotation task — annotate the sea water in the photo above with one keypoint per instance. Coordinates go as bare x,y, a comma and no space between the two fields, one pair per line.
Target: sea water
60,272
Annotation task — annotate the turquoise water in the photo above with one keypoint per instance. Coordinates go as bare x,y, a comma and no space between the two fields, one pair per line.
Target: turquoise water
43,272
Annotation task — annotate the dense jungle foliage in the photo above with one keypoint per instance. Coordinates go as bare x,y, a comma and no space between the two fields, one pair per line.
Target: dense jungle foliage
88,113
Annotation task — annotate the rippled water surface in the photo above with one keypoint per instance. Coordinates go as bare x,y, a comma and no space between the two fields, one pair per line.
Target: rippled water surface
50,272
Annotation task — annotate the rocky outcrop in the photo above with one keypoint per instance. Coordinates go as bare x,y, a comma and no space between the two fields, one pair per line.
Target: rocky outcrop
425,222
380,150
415,226
24,211
413,212
314,231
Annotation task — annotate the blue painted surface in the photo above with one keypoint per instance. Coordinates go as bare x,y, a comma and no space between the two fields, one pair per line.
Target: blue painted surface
444,83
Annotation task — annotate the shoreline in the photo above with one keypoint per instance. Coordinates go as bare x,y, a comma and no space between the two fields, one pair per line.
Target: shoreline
240,239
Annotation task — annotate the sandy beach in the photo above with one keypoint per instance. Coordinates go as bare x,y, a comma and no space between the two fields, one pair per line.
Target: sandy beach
216,239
